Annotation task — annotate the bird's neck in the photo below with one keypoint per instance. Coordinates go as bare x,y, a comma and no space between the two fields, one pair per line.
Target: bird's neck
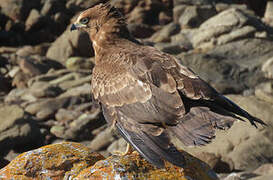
110,34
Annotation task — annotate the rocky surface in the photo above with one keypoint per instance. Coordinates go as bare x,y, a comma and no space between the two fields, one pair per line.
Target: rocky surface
69,160
45,73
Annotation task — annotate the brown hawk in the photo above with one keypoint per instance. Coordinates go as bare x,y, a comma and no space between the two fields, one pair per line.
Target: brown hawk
148,95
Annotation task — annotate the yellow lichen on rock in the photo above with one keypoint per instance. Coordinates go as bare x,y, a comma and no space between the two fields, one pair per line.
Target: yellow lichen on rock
56,161
68,160
134,167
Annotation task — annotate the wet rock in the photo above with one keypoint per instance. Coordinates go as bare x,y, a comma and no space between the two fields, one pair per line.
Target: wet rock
69,44
241,137
58,161
133,166
17,130
233,67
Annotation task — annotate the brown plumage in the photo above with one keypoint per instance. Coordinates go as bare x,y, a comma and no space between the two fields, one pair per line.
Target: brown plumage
148,95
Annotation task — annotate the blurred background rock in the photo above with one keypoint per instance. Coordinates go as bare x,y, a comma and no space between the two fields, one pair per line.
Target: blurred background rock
45,73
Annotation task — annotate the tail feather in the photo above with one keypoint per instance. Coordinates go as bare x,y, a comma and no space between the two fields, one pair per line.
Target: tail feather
198,126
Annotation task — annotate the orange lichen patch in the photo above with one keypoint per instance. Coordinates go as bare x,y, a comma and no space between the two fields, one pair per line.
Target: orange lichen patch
134,167
57,161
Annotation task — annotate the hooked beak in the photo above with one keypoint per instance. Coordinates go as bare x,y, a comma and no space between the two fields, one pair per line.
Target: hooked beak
76,26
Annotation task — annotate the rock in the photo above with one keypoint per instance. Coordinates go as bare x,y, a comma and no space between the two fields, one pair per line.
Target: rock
33,18
268,15
140,30
192,2
216,162
117,146
172,48
69,44
46,108
68,160
17,9
74,63
79,128
43,89
84,89
193,16
164,34
245,145
137,16
57,161
52,7
232,67
132,166
102,140
267,68
19,95
177,11
29,67
264,169
17,130
265,92
217,29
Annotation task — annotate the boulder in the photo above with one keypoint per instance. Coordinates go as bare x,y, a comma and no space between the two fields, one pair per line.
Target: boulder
227,26
68,160
232,67
133,166
57,161
69,44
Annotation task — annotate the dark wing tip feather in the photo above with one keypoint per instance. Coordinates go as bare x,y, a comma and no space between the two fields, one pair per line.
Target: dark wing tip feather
231,106
152,148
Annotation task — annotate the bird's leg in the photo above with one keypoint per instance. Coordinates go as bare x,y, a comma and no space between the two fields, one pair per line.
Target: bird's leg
129,150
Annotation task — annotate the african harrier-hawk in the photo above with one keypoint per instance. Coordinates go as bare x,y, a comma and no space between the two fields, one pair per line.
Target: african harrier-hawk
148,95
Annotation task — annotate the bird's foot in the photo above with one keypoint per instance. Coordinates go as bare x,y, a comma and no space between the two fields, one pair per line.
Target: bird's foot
129,150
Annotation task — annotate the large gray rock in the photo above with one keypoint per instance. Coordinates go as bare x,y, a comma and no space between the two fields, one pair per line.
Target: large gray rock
69,44
232,67
247,146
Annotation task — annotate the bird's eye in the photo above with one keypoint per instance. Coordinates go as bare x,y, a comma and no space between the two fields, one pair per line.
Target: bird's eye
84,20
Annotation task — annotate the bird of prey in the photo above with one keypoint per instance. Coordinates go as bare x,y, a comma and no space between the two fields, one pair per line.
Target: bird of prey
147,95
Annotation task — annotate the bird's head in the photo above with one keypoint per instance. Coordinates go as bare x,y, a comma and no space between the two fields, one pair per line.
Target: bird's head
94,18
